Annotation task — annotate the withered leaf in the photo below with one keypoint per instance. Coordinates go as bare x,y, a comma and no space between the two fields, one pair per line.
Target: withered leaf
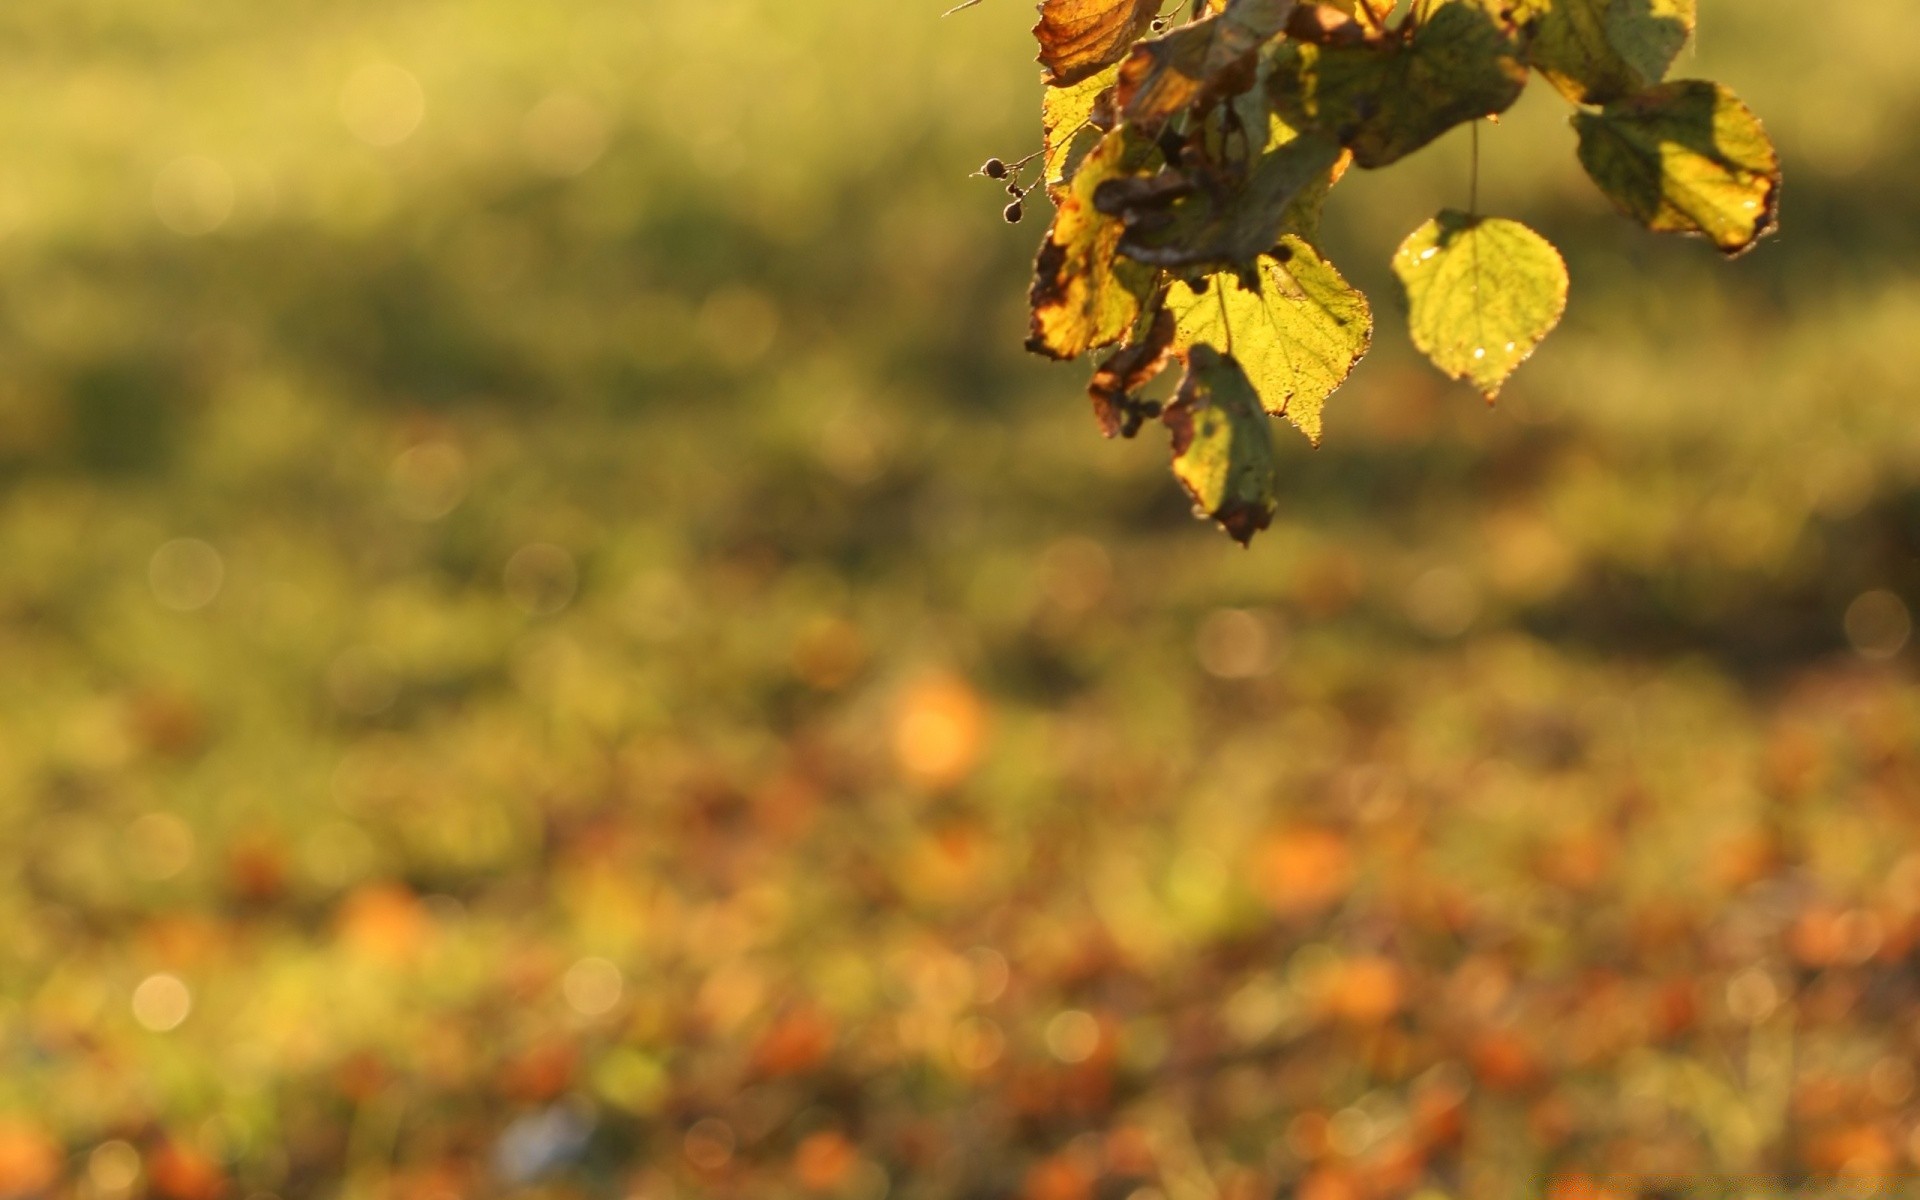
1207,60
1686,157
1079,38
1298,335
1390,96
1127,370
1083,296
1222,449
1218,223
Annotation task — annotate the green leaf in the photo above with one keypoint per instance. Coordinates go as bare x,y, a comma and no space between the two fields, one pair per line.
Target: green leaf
1082,297
1208,59
1482,294
1222,450
1079,38
1597,51
1298,336
1387,97
1201,220
1686,157
1064,115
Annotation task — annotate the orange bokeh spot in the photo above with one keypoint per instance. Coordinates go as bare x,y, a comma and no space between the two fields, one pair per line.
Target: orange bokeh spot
939,731
795,1044
1062,1177
180,1172
29,1160
824,1161
1365,991
1300,871
383,921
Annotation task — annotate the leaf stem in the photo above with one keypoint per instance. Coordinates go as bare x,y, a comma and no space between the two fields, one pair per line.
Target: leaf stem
1473,185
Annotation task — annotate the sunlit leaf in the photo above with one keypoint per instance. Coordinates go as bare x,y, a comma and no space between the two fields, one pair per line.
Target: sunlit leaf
1222,449
1217,223
1597,51
1211,58
1297,337
1065,113
1482,294
1686,158
1079,38
1390,96
1082,297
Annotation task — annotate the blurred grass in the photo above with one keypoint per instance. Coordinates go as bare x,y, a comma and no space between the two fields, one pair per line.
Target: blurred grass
553,642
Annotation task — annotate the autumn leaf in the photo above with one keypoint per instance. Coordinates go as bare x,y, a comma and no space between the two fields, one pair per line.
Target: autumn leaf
1686,157
1218,223
1209,59
1222,451
1082,297
1598,51
1079,38
1387,97
1127,370
1065,113
1297,337
1482,294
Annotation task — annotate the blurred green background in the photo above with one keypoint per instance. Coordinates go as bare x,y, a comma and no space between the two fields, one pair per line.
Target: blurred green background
552,642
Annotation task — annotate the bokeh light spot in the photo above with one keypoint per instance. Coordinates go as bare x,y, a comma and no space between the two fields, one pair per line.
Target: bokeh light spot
429,480
939,730
739,325
1878,625
592,986
161,1002
382,104
564,135
709,1144
1233,643
193,196
1443,603
1073,1036
186,574
540,579
159,846
113,1166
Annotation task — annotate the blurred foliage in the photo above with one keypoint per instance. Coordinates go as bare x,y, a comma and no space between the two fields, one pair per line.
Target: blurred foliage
554,644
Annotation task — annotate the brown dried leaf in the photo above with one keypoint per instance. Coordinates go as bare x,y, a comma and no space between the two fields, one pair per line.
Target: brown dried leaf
1127,370
1079,38
1209,59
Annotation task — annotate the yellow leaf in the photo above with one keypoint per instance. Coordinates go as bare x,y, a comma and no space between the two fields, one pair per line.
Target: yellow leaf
1482,293
1686,158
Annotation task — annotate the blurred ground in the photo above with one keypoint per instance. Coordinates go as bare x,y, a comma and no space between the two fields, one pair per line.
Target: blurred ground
554,643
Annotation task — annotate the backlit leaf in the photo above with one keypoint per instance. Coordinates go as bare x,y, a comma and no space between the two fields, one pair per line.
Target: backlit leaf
1597,51
1218,223
1079,38
1482,294
1065,113
1686,157
1297,337
1082,297
1209,59
1222,449
1387,97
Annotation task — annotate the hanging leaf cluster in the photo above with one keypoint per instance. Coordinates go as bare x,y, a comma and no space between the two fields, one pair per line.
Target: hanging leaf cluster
1188,161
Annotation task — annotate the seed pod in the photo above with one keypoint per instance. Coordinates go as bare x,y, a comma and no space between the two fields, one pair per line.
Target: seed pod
994,169
1014,212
